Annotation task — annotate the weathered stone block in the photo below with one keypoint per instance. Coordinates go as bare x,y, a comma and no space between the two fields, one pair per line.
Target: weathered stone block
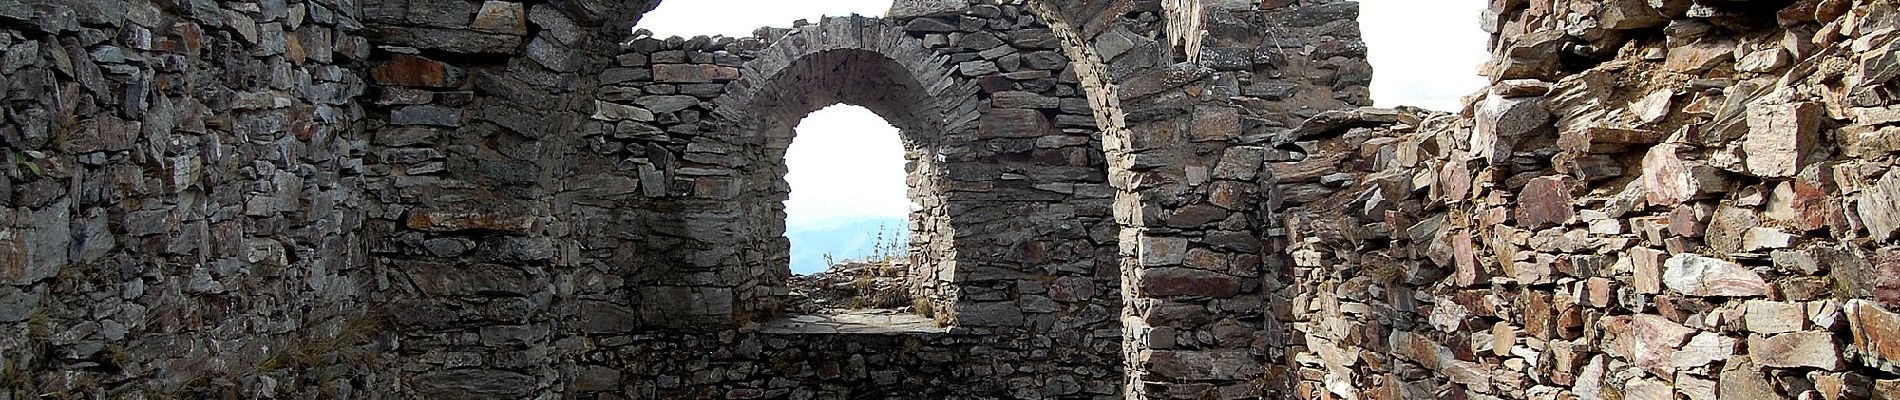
1772,317
1629,14
1203,364
1156,251
1696,275
37,249
473,384
17,305
1164,282
686,307
426,115
1501,122
1809,349
1780,137
1671,178
693,73
606,111
1546,202
1014,123
453,221
993,314
474,280
501,17
1879,208
902,9
1876,332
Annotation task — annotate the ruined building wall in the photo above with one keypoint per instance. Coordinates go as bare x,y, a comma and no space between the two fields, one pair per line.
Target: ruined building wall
503,199
179,194
1186,137
1653,200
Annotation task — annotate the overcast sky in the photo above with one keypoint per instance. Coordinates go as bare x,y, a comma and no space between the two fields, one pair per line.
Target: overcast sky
846,162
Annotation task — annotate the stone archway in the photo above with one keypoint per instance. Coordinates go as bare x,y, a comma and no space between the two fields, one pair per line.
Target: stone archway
859,62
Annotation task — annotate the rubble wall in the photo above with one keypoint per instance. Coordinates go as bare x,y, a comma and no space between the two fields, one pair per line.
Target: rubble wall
178,196
1189,95
1653,200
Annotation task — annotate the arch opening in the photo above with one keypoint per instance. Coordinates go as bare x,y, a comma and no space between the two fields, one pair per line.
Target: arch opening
847,214
850,79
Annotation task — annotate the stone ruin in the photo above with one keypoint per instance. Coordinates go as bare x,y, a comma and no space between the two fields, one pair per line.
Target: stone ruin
1141,199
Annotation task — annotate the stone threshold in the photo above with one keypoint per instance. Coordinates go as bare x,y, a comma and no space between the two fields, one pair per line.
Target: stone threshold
854,322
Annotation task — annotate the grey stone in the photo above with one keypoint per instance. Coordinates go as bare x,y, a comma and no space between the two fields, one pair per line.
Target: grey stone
667,104
977,68
902,9
686,307
515,249
604,317
448,247
17,305
1017,99
426,115
606,111
473,384
989,314
929,25
473,280
552,56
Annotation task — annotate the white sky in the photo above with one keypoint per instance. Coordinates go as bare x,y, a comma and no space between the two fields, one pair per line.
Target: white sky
846,162
1425,53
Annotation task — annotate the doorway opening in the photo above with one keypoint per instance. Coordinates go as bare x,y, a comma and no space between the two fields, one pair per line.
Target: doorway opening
847,214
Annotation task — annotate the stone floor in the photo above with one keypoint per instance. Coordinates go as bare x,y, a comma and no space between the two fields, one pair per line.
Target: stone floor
854,321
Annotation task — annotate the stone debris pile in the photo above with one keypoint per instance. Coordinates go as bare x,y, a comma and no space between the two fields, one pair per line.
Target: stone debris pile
1654,200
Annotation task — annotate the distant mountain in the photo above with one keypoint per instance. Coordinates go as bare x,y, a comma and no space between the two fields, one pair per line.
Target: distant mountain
842,238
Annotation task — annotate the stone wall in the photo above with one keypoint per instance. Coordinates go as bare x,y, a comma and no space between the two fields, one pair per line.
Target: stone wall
1189,95
180,194
1653,200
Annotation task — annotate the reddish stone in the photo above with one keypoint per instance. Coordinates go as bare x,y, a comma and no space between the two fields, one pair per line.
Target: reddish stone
1876,332
1455,182
1688,220
1648,264
1014,123
1465,253
1545,202
408,70
1656,341
1780,137
1811,206
1570,323
1494,216
1886,271
1806,349
1161,282
1597,139
1599,292
443,221
1672,179
1539,316
1216,124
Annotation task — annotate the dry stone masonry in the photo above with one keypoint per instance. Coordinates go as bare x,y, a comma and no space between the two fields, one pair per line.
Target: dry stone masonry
1115,199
